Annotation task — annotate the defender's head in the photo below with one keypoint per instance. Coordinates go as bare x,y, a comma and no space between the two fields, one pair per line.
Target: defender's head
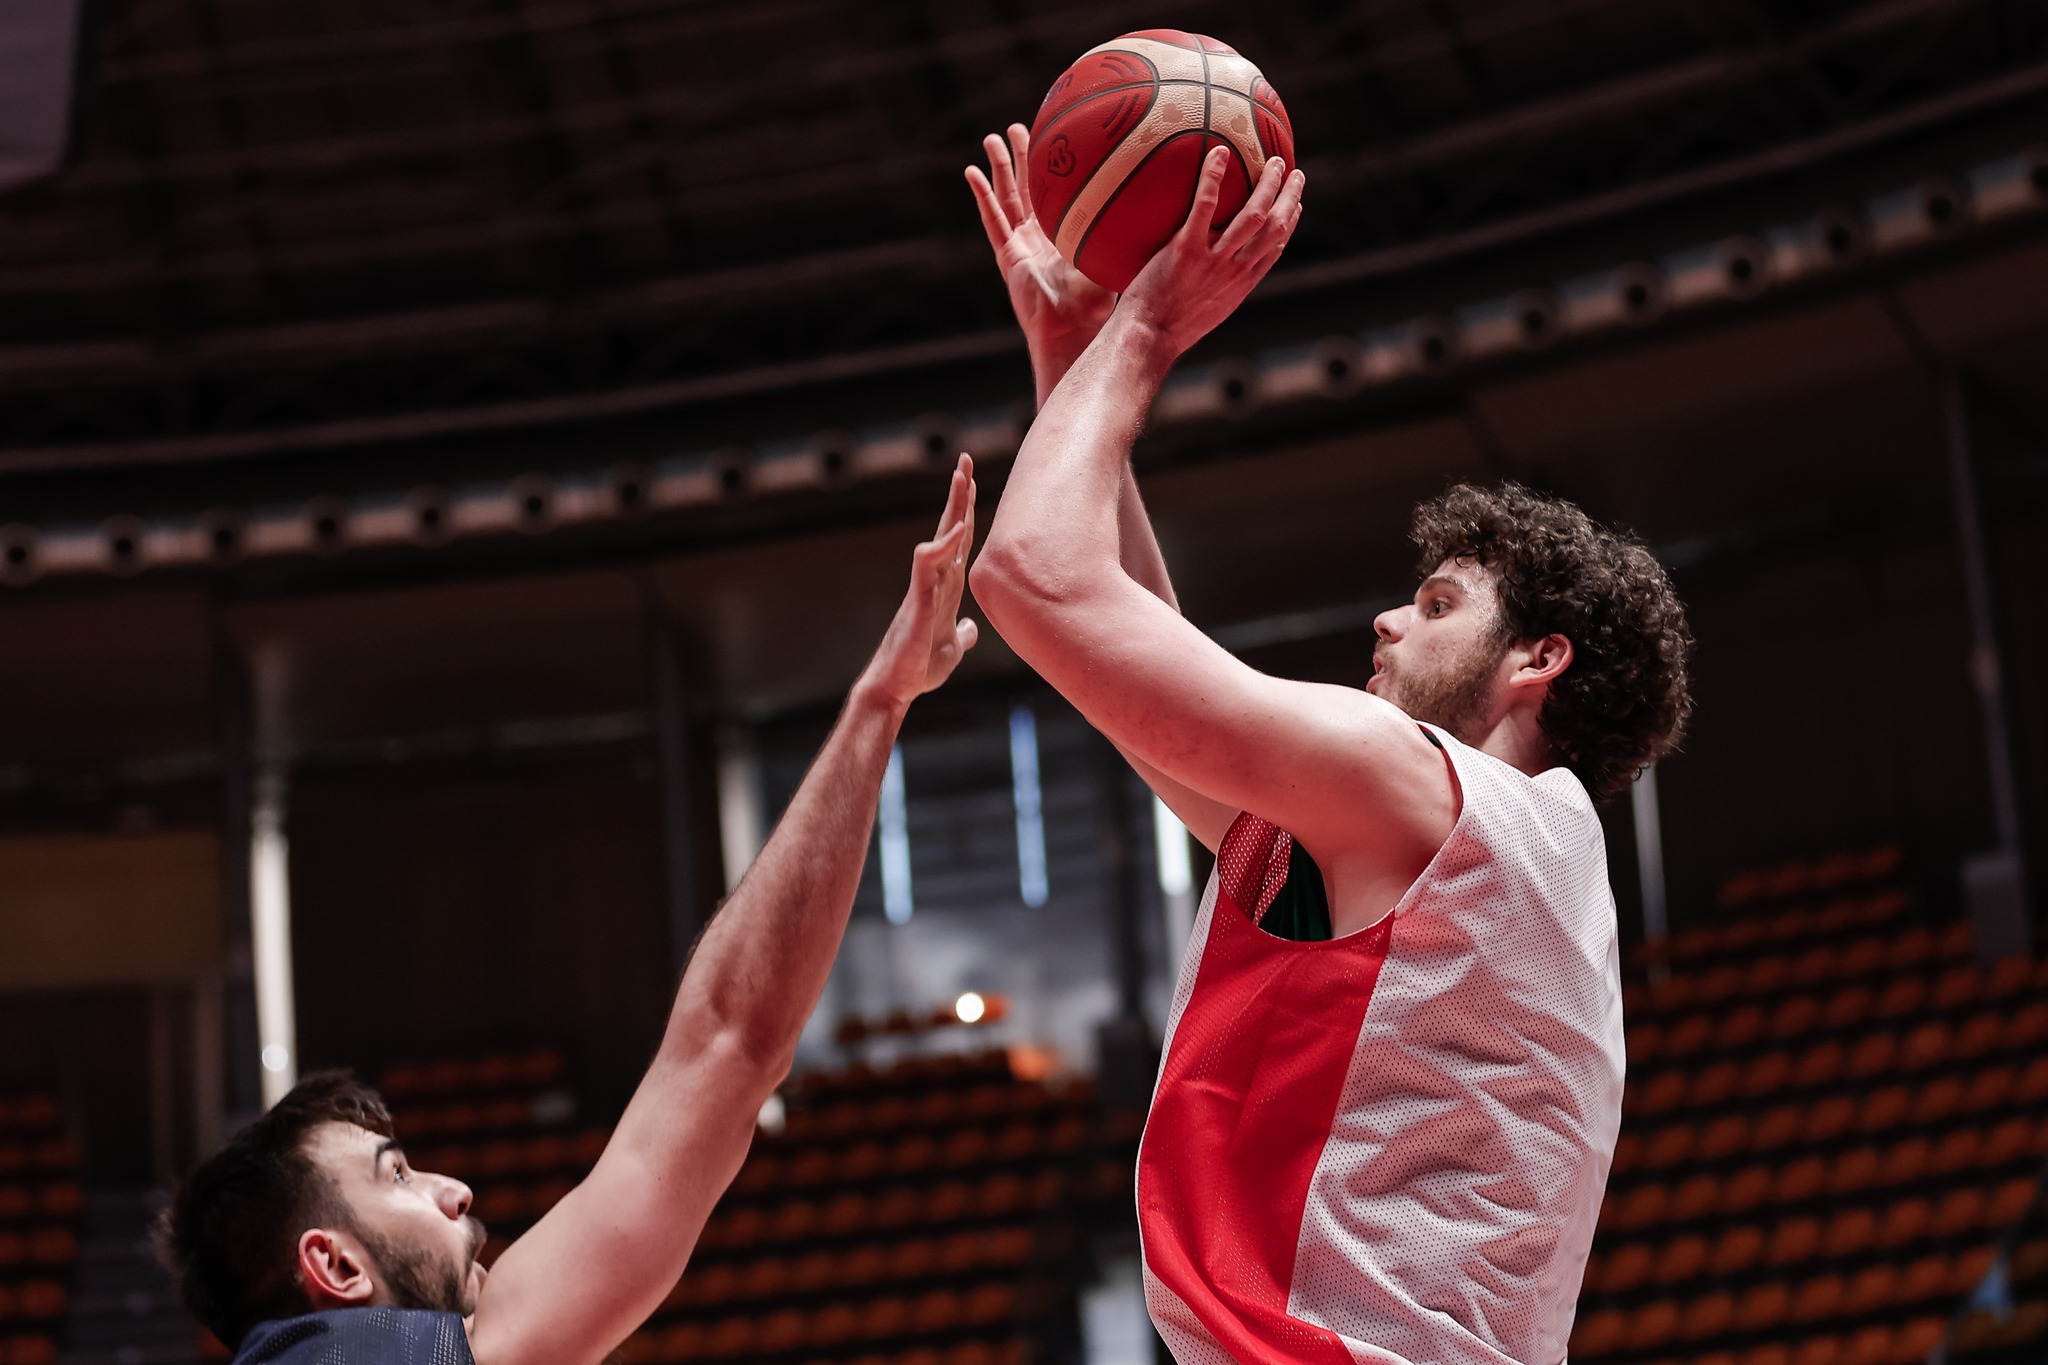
1527,606
313,1207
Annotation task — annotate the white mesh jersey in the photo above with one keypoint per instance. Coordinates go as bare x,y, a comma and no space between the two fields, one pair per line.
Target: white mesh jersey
1391,1147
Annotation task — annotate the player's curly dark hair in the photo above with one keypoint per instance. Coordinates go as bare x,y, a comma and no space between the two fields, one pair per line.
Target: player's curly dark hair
1623,702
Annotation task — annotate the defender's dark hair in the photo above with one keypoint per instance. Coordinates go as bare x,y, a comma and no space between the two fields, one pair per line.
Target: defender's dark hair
1623,702
231,1235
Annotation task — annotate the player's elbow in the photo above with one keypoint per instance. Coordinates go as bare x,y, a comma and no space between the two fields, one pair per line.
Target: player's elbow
1002,582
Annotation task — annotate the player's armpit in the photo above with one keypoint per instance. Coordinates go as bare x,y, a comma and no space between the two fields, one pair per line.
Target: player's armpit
1349,775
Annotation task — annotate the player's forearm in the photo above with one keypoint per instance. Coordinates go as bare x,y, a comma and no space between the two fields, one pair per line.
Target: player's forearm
1056,536
764,959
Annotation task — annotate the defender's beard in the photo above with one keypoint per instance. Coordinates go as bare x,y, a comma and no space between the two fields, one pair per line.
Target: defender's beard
418,1279
1455,698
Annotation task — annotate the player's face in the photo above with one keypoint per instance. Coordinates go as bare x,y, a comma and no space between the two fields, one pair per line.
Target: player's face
414,1226
1440,658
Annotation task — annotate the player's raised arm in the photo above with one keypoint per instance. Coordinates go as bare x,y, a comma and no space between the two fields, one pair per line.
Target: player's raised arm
600,1262
1348,774
1062,311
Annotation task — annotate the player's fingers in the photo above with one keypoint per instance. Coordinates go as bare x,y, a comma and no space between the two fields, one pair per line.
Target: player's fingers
1002,173
1280,222
1020,152
1208,193
992,220
959,489
965,633
1257,212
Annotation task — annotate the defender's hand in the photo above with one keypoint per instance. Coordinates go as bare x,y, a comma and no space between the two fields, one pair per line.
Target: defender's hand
1059,308
1200,276
925,642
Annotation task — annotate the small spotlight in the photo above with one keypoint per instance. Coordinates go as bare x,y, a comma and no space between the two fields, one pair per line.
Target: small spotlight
969,1008
774,1116
276,1058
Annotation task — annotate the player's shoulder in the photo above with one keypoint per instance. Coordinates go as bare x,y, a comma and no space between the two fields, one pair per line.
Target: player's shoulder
359,1336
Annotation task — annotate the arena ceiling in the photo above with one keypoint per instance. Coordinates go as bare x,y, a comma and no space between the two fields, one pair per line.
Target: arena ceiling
293,236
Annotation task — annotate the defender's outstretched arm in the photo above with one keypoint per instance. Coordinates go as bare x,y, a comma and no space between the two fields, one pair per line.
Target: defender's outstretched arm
1346,773
600,1262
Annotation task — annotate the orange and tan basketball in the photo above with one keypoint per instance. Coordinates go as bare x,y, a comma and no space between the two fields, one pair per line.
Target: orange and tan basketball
1118,145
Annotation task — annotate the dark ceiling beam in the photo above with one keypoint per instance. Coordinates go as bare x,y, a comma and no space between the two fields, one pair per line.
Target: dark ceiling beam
688,103
498,321
1516,126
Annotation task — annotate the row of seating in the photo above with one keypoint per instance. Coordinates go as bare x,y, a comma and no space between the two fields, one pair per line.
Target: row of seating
963,1148
1804,876
1955,993
653,1351
1771,1306
1987,1332
1845,1234
473,1075
975,1251
38,1300
55,1245
484,1116
934,1109
1868,1059
28,1348
835,1326
1826,963
850,1213
1903,1343
1838,1119
63,1199
47,1154
1779,927
29,1113
911,1072
1803,1180
543,1154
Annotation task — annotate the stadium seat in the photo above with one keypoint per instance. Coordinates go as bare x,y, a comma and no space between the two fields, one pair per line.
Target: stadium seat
1794,1017
1868,1346
1736,1250
1979,1034
1935,1102
1799,1180
1854,1170
1884,1109
1745,1190
1957,1151
1669,1146
1957,1212
1819,1065
1828,1119
1988,1089
1849,1232
1792,1242
1873,1289
1819,1297
1680,1259
1652,1325
1874,1055
1598,1334
1779,1127
1707,1316
1762,1307
1904,1161
2009,1203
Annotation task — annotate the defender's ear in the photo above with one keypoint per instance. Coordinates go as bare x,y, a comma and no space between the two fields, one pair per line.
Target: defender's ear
1541,661
333,1270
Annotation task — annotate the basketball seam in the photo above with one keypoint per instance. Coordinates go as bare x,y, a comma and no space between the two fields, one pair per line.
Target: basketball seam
1053,232
1102,211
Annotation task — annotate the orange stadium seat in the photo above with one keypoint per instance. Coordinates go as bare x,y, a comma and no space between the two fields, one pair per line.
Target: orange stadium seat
1872,1290
1799,1180
1680,1259
1849,1232
1828,1119
1653,1324
1795,1016
1937,1100
1762,1307
1856,1169
1792,1242
1707,1316
1989,1089
1780,1126
1745,1190
1737,1249
1819,1297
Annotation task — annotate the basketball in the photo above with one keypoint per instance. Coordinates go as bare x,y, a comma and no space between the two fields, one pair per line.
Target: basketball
1118,145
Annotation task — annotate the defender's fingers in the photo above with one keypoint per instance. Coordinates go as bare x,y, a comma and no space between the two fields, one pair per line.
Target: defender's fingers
1020,150
965,633
1208,193
959,498
993,222
1257,211
1002,173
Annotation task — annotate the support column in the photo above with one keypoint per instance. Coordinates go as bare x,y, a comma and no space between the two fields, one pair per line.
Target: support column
228,1084
1128,1053
674,733
1994,882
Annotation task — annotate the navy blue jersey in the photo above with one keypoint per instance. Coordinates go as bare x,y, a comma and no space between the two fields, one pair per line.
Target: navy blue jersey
359,1336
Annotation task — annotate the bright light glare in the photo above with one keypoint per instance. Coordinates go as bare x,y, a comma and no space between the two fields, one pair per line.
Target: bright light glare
969,1008
894,822
1170,839
1029,801
275,1058
774,1116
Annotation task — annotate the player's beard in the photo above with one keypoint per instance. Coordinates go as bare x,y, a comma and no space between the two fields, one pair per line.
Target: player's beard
1455,698
416,1278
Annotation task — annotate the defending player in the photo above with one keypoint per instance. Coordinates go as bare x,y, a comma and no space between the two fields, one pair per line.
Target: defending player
310,1240
1393,1067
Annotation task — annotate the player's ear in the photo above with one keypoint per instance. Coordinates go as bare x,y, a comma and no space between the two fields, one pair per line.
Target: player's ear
333,1269
1543,661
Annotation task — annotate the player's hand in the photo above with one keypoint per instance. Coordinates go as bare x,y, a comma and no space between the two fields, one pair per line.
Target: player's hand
926,641
1059,308
1200,276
